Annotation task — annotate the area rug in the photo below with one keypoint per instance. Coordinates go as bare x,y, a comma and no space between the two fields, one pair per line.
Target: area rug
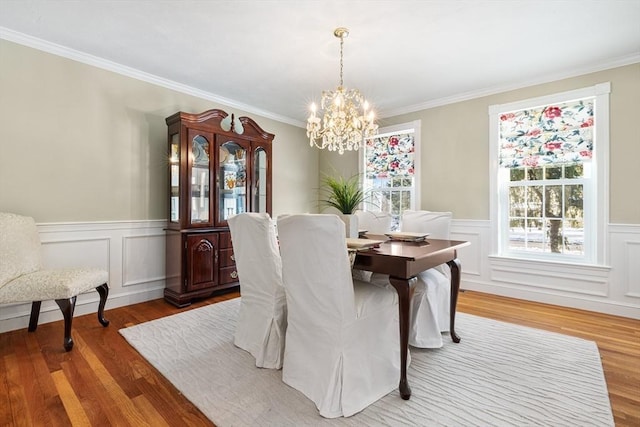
498,375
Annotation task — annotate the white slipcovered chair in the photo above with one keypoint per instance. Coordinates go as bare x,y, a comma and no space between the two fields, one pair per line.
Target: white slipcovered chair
430,305
22,278
343,349
262,321
374,222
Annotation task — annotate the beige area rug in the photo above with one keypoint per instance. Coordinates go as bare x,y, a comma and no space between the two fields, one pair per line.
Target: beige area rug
498,375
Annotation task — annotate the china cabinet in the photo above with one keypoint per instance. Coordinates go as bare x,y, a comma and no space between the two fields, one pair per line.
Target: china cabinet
219,166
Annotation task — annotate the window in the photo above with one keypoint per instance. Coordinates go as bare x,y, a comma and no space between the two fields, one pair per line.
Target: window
390,175
549,159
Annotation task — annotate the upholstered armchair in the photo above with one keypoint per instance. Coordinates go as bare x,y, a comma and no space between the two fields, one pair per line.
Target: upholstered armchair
22,278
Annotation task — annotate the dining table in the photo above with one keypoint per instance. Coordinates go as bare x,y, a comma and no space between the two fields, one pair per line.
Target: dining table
403,260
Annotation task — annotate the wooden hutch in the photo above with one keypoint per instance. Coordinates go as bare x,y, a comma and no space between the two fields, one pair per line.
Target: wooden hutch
219,166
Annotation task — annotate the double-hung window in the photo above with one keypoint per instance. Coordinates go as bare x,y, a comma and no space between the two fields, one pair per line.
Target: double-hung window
388,164
549,160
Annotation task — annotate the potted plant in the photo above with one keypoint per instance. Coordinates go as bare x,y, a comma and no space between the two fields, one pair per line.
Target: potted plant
345,195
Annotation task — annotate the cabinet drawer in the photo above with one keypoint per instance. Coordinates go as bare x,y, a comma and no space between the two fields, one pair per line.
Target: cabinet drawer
225,240
226,258
228,275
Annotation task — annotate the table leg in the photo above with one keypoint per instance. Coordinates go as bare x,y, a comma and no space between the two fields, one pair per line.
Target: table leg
404,287
454,264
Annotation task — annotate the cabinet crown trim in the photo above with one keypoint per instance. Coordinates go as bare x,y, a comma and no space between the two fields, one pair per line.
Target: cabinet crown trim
212,120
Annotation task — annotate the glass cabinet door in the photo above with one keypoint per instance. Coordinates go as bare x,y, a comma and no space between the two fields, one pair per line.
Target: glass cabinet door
232,183
200,180
174,176
259,180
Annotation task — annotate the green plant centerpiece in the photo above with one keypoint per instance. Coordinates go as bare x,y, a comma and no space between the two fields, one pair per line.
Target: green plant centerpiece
345,195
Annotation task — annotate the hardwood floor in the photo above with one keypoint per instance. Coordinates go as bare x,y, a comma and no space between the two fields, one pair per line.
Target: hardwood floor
103,381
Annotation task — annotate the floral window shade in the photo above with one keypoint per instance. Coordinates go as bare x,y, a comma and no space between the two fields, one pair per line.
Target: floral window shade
390,156
553,134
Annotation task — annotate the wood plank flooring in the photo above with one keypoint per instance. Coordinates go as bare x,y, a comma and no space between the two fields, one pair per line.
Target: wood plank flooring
104,382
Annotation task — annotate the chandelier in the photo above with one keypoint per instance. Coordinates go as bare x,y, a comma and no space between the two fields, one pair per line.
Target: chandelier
344,120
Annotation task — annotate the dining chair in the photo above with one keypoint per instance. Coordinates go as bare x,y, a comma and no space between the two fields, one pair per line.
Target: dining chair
374,222
343,349
23,278
430,305
262,320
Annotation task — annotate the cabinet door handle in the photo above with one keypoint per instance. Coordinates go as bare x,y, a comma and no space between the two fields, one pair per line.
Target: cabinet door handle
234,274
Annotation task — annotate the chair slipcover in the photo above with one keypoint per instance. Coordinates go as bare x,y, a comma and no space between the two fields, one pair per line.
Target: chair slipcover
343,349
430,305
262,321
374,222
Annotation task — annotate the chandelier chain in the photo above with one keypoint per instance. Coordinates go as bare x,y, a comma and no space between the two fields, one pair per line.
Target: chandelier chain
341,47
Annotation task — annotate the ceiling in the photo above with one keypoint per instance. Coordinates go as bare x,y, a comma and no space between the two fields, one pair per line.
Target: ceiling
275,57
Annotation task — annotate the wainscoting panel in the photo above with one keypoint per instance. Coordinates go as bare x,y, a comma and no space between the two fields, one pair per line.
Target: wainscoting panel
626,247
90,252
474,233
547,276
140,255
632,252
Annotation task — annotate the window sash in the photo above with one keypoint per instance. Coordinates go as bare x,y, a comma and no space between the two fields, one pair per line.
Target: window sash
573,242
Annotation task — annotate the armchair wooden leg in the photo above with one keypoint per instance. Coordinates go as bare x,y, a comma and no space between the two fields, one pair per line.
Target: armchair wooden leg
35,314
67,306
103,290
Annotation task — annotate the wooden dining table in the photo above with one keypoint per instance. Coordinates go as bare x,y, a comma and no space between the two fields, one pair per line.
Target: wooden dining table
402,261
